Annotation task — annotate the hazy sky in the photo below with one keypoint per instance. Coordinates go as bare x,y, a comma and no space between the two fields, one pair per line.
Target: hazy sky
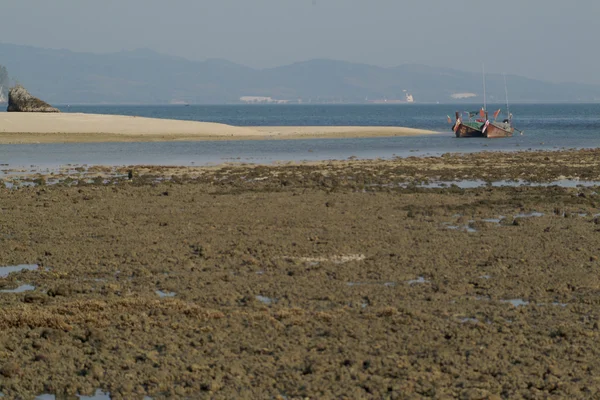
554,40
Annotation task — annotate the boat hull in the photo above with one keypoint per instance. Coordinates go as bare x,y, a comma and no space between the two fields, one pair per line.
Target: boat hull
496,130
466,131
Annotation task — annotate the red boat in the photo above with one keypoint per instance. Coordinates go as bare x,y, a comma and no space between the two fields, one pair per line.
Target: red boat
483,127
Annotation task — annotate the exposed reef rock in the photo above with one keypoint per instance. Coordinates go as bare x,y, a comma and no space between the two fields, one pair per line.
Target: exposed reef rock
20,100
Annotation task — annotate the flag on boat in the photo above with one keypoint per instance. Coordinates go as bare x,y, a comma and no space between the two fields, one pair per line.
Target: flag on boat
496,114
471,114
482,113
456,125
487,123
449,120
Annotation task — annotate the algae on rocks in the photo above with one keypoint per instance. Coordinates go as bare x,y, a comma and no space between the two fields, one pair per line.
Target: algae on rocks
20,100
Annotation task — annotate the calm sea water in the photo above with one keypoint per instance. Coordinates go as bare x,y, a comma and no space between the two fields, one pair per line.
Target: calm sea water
547,126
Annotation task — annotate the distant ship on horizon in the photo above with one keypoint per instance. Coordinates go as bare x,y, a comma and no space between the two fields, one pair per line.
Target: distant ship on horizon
408,99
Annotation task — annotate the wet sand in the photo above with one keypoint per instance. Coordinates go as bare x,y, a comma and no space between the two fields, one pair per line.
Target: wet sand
17,128
327,280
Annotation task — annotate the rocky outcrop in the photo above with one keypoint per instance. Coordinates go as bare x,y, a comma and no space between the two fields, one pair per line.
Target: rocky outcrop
19,100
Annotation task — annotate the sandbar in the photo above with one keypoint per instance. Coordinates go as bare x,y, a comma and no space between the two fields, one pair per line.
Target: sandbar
22,128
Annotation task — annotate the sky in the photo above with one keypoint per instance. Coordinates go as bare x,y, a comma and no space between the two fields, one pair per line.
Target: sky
552,40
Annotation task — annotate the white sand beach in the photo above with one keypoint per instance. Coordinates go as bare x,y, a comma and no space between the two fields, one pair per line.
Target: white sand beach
73,127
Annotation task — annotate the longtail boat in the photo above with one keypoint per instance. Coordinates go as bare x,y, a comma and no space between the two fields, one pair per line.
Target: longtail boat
483,127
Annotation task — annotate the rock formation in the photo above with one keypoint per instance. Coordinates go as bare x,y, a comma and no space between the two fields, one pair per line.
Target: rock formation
19,100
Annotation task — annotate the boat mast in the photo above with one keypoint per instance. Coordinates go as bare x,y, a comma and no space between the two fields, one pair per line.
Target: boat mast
506,93
484,98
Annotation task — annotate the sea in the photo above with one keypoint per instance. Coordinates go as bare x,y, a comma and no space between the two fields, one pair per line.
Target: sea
543,126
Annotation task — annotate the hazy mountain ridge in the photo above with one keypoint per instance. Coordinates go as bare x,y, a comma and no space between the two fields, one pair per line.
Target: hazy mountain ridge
145,77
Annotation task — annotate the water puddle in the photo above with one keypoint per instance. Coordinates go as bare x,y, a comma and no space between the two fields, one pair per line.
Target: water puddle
478,183
529,214
160,293
465,228
20,289
99,395
5,271
494,220
266,300
522,302
516,302
386,284
342,259
417,281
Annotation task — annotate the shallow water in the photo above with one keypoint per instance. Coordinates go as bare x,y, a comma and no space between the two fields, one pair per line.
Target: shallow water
532,214
99,395
516,302
160,293
5,271
266,300
386,284
477,183
20,289
547,127
417,281
494,220
465,228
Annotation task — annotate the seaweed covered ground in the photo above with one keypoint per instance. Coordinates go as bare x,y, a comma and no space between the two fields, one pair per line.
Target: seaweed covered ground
353,279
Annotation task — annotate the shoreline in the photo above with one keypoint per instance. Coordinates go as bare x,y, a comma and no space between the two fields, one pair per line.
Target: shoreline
34,128
481,169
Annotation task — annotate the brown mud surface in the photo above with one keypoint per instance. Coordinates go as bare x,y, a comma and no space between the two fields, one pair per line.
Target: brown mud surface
318,281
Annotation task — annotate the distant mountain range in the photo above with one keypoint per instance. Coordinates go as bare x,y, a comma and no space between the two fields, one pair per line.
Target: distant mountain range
146,77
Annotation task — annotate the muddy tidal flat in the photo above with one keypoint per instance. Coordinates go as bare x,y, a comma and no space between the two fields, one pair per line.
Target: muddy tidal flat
339,280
